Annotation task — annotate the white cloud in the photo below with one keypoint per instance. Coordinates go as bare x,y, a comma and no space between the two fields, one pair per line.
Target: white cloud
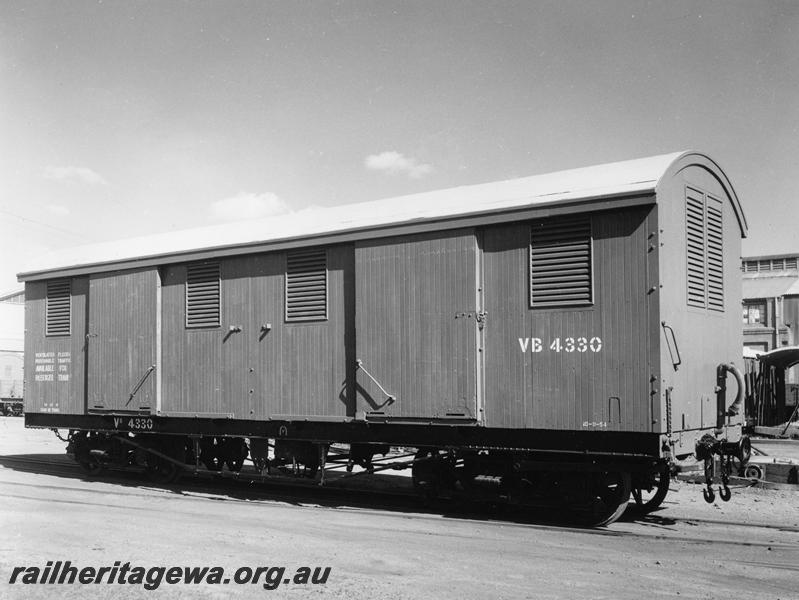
75,174
246,205
394,163
57,209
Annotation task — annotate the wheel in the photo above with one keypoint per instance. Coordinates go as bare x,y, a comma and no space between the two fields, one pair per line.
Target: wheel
213,463
235,454
743,452
753,472
211,453
608,494
423,471
81,444
428,472
650,493
433,472
160,470
92,467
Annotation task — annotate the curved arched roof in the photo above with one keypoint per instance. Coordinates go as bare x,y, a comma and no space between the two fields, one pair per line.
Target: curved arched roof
697,159
606,182
782,358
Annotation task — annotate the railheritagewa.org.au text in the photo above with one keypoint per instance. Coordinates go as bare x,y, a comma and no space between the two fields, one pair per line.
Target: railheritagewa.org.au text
151,578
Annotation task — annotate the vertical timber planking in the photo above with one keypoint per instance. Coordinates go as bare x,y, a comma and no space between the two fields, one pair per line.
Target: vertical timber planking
508,370
557,389
416,320
270,368
55,365
191,358
121,340
237,336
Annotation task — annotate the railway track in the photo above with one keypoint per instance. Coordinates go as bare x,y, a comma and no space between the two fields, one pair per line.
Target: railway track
246,488
45,464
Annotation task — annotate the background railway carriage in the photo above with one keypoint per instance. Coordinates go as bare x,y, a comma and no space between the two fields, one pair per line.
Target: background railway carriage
556,336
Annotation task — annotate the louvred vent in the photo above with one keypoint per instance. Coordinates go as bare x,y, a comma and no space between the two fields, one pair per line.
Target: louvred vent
202,295
695,248
560,263
58,307
704,245
715,255
306,285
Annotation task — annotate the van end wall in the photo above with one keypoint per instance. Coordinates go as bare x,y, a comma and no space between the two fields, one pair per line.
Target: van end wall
705,337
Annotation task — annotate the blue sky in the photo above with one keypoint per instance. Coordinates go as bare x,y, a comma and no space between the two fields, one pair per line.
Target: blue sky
120,119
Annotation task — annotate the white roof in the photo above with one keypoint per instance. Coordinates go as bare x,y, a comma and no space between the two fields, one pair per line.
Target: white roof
770,285
783,357
601,181
751,352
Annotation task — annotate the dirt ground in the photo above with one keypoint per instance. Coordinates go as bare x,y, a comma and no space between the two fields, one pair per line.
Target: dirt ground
746,548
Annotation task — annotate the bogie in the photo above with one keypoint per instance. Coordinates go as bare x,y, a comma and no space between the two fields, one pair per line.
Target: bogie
584,493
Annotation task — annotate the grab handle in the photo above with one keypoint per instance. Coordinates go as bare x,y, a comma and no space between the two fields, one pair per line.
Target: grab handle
391,397
676,350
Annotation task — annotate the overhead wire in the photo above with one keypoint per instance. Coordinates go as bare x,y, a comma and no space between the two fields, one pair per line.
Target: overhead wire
42,224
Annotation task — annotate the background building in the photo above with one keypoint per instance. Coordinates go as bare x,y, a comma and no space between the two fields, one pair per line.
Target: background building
771,308
12,343
771,301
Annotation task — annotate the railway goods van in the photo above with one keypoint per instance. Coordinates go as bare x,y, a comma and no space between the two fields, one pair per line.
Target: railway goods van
558,339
